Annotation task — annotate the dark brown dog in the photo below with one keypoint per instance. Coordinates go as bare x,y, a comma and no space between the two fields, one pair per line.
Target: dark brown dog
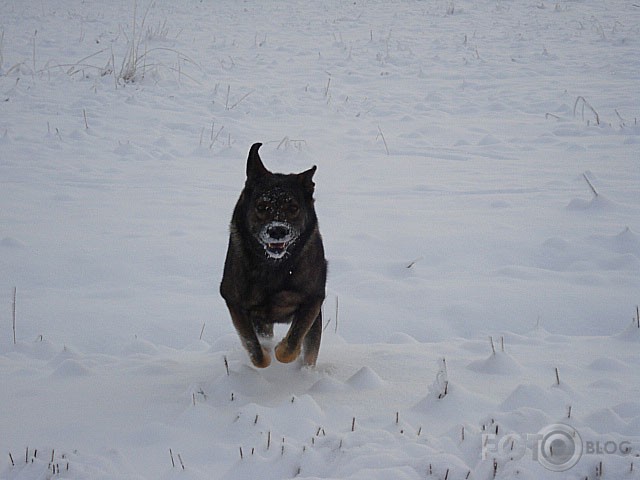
275,270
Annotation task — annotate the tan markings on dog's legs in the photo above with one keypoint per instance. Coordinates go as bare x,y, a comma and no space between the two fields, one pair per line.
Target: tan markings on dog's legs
289,348
284,355
266,359
311,343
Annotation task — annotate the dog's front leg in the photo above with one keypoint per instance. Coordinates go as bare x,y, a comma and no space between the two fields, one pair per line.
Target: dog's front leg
311,342
244,326
289,348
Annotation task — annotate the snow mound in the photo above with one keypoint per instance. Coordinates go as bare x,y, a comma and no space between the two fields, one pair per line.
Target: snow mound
607,384
631,333
327,385
365,379
454,404
627,409
64,355
139,346
607,364
533,396
605,420
625,242
400,338
599,204
41,349
71,368
500,363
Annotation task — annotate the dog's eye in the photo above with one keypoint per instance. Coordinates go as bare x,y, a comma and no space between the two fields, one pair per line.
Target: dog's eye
293,208
261,207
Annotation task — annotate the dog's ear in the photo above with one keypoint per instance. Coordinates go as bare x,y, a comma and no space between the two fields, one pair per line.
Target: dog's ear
255,167
306,179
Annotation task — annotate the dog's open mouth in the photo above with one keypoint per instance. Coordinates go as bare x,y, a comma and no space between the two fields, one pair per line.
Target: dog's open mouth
277,249
276,238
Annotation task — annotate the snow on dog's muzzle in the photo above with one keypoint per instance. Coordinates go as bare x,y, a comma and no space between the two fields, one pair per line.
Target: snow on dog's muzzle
276,237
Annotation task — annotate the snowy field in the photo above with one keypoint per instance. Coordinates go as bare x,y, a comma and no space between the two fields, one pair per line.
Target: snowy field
478,195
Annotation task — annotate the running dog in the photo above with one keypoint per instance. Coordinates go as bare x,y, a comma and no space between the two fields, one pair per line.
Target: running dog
275,270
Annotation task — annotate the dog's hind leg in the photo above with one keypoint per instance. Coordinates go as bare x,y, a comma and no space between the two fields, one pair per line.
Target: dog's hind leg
289,348
311,343
244,326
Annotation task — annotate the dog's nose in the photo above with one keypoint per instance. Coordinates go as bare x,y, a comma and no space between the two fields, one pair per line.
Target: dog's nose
277,232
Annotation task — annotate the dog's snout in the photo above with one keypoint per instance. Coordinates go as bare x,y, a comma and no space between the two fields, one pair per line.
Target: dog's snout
278,232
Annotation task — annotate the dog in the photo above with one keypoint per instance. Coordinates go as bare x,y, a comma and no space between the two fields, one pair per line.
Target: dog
275,270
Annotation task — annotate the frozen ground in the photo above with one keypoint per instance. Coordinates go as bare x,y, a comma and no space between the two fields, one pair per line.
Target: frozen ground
457,144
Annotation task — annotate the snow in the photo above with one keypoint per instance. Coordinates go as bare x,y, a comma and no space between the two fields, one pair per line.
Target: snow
477,177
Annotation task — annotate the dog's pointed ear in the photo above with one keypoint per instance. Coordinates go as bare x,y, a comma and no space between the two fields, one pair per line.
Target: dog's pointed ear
255,167
306,179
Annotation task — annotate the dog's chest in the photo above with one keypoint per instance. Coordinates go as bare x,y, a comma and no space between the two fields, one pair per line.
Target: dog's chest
275,307
273,296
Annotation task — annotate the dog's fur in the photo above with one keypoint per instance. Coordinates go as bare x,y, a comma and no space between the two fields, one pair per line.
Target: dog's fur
275,270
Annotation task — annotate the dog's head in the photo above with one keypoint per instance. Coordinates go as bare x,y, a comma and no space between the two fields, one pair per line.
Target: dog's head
277,209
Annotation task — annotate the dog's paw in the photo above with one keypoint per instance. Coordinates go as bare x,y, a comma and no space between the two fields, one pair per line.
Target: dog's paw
284,355
263,362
